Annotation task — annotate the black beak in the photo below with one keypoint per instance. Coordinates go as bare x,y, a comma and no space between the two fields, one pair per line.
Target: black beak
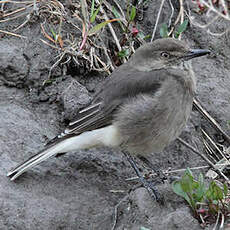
196,53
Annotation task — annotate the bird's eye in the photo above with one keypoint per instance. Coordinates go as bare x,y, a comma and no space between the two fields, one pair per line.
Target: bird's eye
165,55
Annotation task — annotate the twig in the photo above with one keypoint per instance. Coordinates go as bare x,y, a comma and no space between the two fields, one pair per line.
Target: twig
119,7
124,21
106,67
56,64
9,19
181,13
16,2
157,20
45,42
24,23
217,220
193,22
176,21
212,8
225,8
217,34
15,11
198,24
210,151
12,34
201,218
172,13
204,157
110,27
222,221
194,168
214,145
198,106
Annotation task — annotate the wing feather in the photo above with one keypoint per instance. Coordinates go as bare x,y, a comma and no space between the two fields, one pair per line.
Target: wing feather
100,112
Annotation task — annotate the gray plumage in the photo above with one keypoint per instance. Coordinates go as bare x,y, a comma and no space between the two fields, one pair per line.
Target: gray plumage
141,108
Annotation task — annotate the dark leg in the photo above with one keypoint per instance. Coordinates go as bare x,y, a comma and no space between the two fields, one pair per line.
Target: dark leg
149,186
159,173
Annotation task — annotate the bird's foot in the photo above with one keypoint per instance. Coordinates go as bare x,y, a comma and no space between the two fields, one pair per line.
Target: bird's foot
152,190
156,173
149,186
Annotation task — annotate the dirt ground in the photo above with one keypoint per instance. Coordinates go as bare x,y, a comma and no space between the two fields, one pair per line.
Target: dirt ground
85,189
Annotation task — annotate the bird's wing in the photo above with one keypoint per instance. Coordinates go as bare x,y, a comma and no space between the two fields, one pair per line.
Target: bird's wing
116,90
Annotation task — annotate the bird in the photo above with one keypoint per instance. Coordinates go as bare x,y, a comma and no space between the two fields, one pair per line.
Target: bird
141,108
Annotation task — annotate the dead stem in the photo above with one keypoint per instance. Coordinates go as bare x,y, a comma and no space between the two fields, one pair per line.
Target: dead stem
207,116
12,34
204,157
157,20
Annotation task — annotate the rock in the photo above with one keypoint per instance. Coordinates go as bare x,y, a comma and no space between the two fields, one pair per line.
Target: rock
14,67
144,212
73,96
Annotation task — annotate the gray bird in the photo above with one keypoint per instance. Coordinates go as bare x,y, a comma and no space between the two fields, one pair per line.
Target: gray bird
141,108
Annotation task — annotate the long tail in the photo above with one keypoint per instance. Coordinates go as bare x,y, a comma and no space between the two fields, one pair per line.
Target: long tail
107,136
51,150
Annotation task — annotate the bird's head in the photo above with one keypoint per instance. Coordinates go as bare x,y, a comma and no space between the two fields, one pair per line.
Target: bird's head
165,52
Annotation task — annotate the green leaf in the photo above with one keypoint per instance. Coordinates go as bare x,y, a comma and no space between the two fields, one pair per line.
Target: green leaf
176,34
188,171
164,31
225,189
201,179
182,27
84,11
176,186
132,14
92,8
93,17
147,37
94,13
219,193
127,10
214,192
200,189
99,26
54,34
143,228
115,12
187,181
48,81
123,53
117,15
208,195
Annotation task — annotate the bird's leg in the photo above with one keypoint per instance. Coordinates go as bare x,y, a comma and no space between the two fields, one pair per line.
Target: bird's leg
159,173
147,185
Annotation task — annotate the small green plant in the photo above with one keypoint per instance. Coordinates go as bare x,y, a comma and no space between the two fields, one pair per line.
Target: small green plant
129,33
203,201
181,28
88,30
191,190
131,14
123,53
164,33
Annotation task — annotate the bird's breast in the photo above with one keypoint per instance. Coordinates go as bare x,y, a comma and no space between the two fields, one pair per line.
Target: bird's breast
148,123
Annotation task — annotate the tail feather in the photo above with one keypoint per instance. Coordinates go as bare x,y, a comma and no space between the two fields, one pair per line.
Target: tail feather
107,136
34,160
